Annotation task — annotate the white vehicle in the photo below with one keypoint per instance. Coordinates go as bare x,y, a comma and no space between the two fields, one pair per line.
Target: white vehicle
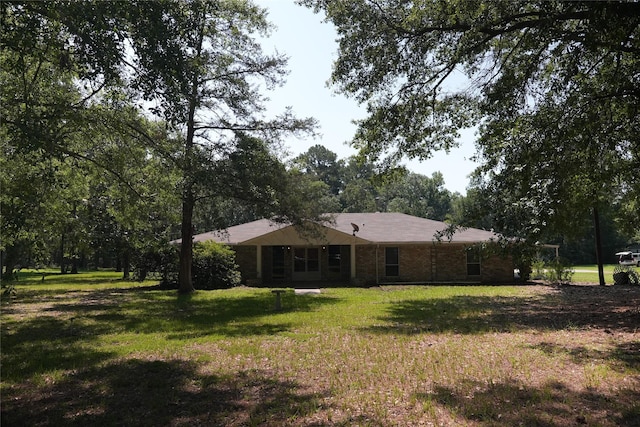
628,258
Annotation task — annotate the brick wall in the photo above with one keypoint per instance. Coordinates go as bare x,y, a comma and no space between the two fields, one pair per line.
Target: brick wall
432,262
414,264
246,258
366,265
449,263
497,269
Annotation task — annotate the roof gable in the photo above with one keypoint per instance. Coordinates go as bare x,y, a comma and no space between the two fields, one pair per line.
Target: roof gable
290,236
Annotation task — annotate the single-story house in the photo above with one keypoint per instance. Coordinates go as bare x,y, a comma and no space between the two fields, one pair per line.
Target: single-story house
362,249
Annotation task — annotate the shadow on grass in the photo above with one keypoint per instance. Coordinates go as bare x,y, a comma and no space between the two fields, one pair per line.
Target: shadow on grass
45,344
610,308
155,393
625,354
513,403
205,313
61,334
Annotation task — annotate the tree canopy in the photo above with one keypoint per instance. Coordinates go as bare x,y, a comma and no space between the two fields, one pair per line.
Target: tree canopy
200,63
126,124
81,72
552,86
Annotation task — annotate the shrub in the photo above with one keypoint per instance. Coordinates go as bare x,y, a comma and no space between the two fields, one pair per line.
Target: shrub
214,266
538,268
160,263
625,275
559,271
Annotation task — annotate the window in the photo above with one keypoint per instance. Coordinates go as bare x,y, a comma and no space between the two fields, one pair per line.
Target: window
473,262
305,260
334,258
391,262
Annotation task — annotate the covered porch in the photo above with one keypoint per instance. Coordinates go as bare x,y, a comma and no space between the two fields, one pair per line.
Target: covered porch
284,257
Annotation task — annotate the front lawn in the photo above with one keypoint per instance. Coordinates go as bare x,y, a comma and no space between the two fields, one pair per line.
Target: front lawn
95,350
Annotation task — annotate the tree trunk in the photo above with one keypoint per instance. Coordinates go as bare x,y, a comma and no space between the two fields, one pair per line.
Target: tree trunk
596,226
74,261
10,261
126,266
63,267
185,280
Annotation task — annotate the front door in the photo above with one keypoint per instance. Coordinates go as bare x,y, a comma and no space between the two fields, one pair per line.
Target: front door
306,264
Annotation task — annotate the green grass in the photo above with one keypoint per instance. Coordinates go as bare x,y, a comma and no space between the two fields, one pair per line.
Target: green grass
589,273
91,349
50,279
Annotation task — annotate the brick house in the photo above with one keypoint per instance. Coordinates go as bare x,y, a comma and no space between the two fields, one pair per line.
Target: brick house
362,249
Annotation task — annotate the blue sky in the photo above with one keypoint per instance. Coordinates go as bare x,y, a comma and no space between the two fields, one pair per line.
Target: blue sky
310,45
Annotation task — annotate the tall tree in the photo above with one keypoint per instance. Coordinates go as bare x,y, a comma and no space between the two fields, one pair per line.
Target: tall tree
26,193
196,63
53,83
418,195
200,63
324,164
554,85
137,209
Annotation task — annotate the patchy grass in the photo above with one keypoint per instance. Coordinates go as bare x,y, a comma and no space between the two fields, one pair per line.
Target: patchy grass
109,352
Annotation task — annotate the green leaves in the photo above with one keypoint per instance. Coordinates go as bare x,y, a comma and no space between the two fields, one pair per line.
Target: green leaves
553,83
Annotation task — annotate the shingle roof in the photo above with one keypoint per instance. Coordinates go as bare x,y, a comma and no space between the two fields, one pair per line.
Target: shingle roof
386,227
240,233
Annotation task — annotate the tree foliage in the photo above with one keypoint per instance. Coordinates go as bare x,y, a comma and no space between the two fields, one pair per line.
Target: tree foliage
353,185
418,195
552,84
200,64
62,113
324,164
81,72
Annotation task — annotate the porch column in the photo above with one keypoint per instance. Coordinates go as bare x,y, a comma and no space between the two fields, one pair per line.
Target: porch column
353,261
259,262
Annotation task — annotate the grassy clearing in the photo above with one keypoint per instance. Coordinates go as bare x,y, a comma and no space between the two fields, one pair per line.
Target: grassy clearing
109,352
589,273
